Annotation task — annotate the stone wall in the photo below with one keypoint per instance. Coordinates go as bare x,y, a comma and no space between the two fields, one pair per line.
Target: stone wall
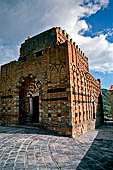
55,70
86,95
47,75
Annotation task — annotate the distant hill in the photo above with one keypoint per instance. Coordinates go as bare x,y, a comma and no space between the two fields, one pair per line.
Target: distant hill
106,102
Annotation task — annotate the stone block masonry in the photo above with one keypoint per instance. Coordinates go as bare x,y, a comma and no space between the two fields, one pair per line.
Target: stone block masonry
50,85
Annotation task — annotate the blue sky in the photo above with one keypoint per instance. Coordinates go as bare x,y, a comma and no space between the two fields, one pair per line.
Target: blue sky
89,23
104,77
102,21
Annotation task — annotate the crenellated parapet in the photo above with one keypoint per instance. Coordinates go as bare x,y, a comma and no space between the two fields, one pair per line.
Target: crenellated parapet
35,46
50,85
63,36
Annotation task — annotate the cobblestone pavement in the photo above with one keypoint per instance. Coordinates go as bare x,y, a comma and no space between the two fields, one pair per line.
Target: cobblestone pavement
28,149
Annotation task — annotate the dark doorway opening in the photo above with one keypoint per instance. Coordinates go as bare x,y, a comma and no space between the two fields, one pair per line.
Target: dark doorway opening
35,118
24,113
93,110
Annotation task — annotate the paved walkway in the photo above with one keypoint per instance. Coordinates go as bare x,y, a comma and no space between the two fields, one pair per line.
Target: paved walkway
28,149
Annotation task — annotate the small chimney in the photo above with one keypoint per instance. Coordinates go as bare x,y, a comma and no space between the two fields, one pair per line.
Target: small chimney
29,36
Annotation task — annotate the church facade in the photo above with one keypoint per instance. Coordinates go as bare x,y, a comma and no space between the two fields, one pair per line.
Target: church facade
50,86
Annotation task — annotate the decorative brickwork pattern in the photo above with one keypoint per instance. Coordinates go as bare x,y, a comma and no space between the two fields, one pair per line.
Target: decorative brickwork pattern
50,85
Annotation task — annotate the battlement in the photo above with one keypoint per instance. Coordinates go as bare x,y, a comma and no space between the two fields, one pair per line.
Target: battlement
63,36
46,39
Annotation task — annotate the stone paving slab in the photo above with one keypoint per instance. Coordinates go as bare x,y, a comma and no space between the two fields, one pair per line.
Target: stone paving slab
34,149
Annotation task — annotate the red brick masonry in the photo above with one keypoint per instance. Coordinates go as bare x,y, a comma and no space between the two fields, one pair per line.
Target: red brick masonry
50,85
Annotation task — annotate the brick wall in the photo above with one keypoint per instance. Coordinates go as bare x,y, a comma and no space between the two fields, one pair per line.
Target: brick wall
55,70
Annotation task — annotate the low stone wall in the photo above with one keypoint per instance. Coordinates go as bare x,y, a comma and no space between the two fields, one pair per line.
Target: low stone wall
83,128
64,131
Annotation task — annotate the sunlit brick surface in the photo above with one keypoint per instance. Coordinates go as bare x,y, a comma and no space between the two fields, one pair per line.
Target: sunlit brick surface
50,85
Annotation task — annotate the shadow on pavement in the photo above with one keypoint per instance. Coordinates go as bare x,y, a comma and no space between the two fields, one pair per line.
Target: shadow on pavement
100,154
18,129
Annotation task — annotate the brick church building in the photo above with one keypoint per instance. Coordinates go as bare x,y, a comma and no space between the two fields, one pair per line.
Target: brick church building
50,85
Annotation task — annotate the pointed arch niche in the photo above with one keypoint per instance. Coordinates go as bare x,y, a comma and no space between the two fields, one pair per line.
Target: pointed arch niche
29,101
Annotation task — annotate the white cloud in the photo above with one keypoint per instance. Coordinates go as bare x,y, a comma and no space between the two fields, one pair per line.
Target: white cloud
100,52
8,54
103,3
21,18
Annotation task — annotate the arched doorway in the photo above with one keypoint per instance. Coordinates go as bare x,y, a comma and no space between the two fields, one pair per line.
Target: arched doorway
28,102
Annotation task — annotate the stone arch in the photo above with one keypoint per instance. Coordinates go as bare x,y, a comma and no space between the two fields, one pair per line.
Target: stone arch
24,104
29,88
22,79
34,88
